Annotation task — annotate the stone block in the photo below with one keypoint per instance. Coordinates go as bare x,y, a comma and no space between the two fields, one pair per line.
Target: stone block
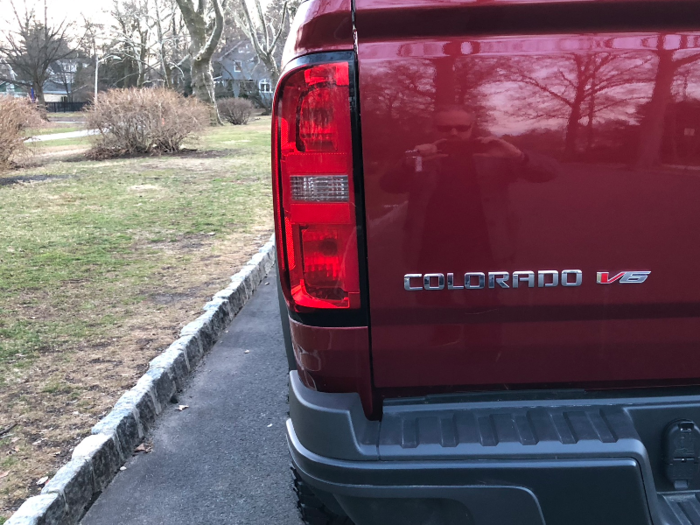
123,426
73,481
44,509
102,453
203,328
174,360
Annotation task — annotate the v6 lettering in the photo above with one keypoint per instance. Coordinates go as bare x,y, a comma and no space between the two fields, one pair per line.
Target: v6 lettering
623,277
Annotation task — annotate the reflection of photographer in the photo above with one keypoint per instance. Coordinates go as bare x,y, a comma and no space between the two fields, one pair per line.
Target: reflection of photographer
456,129
460,183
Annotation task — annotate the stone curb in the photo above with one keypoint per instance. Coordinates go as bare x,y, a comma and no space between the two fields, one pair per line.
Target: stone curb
97,458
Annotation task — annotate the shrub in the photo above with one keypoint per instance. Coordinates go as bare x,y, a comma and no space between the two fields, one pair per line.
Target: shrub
143,121
16,115
236,111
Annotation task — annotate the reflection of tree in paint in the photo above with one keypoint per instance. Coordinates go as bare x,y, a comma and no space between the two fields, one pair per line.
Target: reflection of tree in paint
389,90
583,98
574,87
681,138
672,54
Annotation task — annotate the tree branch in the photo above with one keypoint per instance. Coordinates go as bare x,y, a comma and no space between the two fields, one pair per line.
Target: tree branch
208,50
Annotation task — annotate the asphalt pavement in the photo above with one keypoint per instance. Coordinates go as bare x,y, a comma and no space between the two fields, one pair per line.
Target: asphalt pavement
223,460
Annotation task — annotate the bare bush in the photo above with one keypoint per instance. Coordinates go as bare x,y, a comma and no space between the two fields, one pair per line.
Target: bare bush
236,111
16,116
143,121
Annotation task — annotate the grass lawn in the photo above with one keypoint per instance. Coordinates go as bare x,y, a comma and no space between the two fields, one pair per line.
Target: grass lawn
60,123
58,128
101,264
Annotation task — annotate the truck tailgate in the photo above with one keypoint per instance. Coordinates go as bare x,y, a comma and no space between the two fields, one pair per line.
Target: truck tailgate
552,159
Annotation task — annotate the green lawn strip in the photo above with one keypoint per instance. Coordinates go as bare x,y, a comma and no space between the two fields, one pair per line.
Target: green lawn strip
104,228
41,146
77,115
255,135
54,129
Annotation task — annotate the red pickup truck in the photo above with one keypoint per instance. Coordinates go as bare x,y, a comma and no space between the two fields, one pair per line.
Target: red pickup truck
488,222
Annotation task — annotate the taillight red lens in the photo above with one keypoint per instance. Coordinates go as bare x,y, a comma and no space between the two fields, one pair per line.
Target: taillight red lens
314,188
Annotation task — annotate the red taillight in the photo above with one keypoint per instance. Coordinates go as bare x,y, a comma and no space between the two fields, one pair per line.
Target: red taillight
314,189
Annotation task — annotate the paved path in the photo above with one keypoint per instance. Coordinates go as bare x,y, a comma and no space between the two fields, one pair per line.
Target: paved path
62,136
224,460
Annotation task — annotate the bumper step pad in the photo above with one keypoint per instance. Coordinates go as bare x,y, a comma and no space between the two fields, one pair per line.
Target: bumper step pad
487,432
681,509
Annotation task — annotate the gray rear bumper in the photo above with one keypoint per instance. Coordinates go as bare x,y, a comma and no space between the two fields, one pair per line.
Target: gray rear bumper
482,461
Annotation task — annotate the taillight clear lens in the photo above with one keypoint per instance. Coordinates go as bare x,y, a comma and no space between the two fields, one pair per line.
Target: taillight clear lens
314,189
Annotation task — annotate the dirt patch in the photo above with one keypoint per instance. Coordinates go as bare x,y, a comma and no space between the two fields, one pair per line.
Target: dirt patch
207,154
7,181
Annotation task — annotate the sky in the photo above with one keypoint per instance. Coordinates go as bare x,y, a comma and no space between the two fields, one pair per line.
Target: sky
71,10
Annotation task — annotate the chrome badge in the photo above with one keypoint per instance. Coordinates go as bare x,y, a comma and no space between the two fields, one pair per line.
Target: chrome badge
623,277
414,282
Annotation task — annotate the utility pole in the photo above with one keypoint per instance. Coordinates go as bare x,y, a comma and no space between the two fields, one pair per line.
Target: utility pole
97,69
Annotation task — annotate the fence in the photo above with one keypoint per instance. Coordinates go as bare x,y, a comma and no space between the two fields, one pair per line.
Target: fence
64,107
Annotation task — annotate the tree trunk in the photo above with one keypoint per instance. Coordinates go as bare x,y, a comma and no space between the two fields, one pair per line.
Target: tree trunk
202,47
652,129
167,78
40,100
572,125
39,93
203,87
591,115
265,48
143,56
270,63
142,75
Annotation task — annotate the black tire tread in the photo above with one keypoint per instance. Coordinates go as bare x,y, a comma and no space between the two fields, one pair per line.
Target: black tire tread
311,509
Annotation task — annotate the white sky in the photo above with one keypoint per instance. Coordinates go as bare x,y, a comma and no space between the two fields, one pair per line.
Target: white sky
71,10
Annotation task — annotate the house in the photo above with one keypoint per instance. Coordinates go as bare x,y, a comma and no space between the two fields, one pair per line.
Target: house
61,86
239,71
8,89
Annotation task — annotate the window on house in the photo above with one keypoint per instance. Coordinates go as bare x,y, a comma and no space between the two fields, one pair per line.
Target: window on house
265,86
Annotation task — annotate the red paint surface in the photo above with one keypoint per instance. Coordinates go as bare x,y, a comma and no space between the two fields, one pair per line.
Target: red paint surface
334,359
320,26
616,192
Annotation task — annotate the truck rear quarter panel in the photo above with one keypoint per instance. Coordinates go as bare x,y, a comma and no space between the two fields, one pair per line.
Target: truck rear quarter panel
320,26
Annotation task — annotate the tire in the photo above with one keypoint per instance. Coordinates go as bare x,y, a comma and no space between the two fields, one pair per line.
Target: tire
311,508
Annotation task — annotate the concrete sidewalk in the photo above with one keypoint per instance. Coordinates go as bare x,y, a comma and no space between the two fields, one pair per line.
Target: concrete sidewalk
62,136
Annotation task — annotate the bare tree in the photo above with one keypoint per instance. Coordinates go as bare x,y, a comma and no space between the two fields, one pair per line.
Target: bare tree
265,31
166,65
32,47
132,34
205,24
148,38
